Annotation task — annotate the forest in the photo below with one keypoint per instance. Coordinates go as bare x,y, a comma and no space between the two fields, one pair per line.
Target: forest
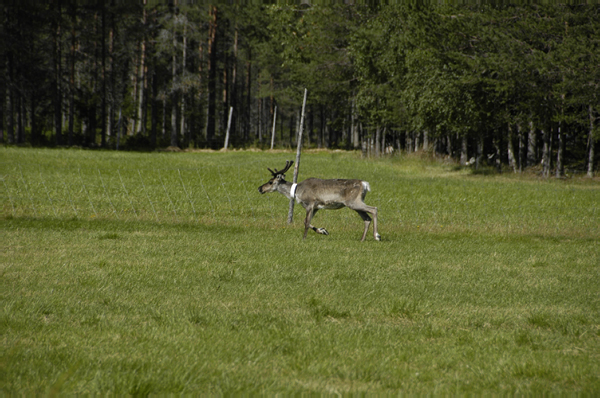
508,87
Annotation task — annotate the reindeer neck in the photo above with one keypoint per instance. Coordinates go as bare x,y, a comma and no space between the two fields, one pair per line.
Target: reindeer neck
285,188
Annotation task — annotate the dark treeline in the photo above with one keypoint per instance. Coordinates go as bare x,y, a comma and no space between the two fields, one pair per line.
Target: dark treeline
514,87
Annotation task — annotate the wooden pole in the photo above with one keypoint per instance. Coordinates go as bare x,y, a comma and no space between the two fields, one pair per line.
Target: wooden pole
273,132
298,150
119,130
228,128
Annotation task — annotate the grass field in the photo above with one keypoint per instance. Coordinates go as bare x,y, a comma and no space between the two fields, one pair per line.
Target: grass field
132,273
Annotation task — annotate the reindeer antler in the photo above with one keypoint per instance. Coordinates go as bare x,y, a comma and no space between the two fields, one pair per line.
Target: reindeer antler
288,164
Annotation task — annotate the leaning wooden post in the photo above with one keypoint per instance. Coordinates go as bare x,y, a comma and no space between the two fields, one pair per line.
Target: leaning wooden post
228,128
298,150
273,132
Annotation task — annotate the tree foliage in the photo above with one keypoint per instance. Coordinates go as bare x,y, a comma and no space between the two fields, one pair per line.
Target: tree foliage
470,79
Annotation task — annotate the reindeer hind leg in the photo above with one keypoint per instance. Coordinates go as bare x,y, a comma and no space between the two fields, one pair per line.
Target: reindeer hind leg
375,233
364,211
367,220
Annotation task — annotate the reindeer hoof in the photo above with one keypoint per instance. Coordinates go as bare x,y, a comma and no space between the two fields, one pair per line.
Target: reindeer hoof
321,231
378,237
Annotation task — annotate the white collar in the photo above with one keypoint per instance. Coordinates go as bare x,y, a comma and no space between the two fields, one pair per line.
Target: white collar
293,190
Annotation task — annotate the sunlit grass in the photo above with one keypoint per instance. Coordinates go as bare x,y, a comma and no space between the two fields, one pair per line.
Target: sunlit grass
481,283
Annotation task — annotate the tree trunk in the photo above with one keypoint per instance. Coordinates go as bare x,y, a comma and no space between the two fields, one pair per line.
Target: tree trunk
103,102
141,125
291,130
281,127
212,76
521,146
531,146
134,95
417,140
10,121
560,166
200,61
72,73
33,105
479,152
10,114
225,92
119,124
353,127
464,157
154,108
182,112
260,117
174,96
91,109
234,91
310,134
19,108
248,113
57,98
111,76
498,156
321,127
546,132
425,141
511,150
174,132
363,142
164,118
591,142
377,141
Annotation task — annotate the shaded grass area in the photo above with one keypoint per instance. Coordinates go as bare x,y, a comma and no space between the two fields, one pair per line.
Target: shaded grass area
442,305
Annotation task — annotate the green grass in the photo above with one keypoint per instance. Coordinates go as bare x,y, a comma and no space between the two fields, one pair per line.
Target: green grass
193,282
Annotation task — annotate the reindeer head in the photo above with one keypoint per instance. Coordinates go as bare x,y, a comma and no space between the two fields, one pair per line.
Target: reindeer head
278,178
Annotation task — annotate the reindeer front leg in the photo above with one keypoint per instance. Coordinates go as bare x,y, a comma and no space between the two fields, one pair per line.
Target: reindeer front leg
321,231
310,213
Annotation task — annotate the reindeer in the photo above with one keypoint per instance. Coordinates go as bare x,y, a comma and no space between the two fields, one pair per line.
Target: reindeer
315,194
